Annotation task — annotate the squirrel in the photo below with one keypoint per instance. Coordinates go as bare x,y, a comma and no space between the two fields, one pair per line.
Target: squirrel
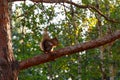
47,44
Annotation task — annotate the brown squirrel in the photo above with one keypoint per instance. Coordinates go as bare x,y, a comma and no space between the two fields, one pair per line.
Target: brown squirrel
47,44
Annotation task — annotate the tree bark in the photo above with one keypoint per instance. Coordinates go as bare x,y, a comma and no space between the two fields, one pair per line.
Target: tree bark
8,71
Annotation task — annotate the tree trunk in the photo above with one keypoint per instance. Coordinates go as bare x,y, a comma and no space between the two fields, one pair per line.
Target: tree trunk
112,68
8,65
99,26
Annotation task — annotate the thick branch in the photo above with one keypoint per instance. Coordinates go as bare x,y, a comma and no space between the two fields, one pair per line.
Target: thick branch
68,50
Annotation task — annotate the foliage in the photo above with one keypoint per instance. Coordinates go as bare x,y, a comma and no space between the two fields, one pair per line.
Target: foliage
71,25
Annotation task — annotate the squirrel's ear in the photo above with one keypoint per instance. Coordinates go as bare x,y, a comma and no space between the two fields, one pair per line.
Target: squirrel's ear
45,29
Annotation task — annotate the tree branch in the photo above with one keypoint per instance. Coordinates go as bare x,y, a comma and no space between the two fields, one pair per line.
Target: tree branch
93,8
43,58
75,4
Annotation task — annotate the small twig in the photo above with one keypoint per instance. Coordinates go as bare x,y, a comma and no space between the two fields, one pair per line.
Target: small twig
27,12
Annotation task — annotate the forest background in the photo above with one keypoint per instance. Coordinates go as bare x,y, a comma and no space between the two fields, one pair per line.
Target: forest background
72,24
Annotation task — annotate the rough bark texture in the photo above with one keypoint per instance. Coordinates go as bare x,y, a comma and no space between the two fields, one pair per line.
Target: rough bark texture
7,72
68,50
